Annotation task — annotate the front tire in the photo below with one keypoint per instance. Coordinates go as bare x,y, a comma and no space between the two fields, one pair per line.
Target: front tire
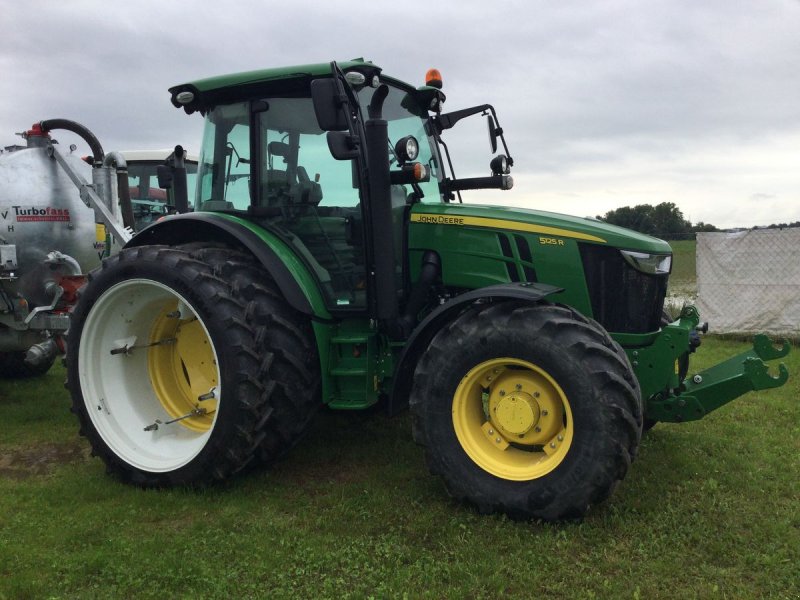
173,372
530,410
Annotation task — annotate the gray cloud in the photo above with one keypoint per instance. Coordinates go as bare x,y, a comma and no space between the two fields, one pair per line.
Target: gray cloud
604,104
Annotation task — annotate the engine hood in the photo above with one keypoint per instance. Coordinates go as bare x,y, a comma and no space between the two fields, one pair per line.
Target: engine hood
541,222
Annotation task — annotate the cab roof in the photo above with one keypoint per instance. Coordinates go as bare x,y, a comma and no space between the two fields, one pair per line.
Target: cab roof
209,92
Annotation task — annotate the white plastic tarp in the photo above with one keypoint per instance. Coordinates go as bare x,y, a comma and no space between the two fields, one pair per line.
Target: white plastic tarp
749,281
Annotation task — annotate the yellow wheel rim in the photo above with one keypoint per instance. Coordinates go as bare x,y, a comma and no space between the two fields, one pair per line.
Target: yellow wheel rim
183,369
512,419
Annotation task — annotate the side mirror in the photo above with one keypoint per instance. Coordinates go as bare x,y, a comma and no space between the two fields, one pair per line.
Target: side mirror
329,104
164,175
342,145
492,133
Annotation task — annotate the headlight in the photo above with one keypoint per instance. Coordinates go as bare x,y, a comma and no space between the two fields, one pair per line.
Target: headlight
499,165
653,264
407,149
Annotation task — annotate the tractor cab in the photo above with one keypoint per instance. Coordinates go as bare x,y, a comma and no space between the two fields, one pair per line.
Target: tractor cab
268,160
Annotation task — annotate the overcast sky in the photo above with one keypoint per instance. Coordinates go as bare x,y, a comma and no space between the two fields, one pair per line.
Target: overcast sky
604,104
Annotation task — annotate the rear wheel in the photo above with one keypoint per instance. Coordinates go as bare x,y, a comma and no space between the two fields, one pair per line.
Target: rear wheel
531,410
173,374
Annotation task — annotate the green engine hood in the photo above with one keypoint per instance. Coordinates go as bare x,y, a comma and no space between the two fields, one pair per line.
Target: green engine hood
540,222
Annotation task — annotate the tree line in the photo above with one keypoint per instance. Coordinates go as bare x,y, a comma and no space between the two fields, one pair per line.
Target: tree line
664,220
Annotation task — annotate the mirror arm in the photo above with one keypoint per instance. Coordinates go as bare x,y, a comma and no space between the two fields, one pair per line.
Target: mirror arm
448,120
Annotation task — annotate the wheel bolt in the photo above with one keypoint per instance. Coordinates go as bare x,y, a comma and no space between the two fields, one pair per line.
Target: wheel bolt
497,440
537,429
552,444
491,432
502,392
536,394
560,438
544,412
519,386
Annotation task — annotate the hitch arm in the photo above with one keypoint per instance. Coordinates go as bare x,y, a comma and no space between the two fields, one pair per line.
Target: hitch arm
722,383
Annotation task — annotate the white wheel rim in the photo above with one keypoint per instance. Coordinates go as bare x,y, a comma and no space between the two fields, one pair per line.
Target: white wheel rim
117,388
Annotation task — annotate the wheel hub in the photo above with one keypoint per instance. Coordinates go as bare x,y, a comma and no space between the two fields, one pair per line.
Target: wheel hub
516,413
512,418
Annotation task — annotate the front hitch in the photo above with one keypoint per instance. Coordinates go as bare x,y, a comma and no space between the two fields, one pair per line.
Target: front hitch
710,389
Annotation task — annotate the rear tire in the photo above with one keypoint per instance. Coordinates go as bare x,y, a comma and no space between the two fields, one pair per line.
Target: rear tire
218,361
530,410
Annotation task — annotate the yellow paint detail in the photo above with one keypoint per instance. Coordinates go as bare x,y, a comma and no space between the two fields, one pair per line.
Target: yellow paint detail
183,370
512,419
505,225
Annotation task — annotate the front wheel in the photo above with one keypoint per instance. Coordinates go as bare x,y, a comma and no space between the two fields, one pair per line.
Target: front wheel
531,410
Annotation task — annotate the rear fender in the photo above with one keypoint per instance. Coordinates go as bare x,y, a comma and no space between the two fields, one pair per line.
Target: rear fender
292,276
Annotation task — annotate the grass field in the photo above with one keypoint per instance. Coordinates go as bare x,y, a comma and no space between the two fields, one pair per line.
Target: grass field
683,280
709,510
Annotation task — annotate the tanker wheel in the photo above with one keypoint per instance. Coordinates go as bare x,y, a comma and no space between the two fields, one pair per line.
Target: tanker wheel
173,377
530,410
13,366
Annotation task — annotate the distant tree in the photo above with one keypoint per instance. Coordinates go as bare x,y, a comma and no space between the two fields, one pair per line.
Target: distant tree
669,222
638,218
664,220
701,227
783,225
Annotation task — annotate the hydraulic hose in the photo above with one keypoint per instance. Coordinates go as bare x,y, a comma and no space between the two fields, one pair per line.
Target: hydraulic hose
94,144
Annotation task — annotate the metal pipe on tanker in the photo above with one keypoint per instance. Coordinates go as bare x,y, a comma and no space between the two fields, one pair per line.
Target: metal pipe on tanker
116,160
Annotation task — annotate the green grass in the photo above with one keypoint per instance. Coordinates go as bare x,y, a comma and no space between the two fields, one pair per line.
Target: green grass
709,510
683,279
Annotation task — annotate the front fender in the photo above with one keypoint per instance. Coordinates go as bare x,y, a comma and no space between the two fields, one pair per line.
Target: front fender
423,333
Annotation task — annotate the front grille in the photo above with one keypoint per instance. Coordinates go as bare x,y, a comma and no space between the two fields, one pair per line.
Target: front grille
623,299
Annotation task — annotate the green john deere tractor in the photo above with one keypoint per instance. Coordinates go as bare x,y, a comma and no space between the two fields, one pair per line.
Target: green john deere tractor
329,260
